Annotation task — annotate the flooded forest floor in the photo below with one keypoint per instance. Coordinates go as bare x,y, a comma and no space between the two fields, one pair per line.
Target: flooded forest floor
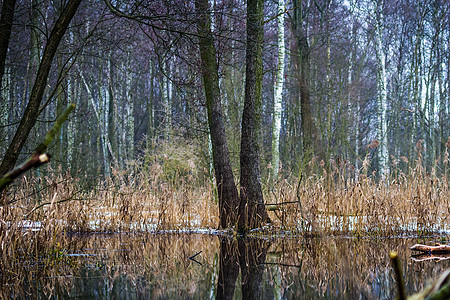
151,232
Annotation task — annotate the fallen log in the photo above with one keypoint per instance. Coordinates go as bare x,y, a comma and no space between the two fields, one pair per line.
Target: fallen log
438,248
428,256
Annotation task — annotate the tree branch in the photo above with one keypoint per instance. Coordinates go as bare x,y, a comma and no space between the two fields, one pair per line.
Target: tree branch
39,157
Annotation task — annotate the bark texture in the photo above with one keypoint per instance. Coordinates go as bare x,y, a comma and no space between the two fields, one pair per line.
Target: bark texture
382,91
252,212
278,91
226,188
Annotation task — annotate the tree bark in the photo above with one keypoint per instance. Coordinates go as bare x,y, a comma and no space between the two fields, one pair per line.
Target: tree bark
32,110
252,212
6,20
278,91
382,93
226,188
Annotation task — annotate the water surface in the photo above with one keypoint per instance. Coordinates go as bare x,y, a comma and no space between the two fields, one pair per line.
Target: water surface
162,267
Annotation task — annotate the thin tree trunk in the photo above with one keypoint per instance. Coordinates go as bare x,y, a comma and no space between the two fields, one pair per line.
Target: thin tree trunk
71,126
5,103
111,111
310,141
129,111
150,108
165,90
226,188
278,91
32,111
60,145
252,212
382,94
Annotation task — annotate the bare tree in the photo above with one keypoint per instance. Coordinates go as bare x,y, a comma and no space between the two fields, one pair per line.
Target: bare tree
252,212
32,111
226,188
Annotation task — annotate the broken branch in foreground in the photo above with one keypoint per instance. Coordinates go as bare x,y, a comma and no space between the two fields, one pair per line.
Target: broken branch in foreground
39,157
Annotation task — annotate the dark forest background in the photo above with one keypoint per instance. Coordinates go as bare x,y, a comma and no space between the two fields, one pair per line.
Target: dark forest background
136,82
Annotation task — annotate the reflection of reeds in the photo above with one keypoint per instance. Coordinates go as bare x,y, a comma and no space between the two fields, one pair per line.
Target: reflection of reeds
115,266
345,268
157,266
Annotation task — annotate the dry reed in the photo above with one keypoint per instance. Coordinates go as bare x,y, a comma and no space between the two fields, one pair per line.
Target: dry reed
171,191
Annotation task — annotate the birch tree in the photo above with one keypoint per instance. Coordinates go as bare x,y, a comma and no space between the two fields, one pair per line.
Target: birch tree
129,112
381,89
278,90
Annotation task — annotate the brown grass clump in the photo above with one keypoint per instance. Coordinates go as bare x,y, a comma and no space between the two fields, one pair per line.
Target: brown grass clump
408,202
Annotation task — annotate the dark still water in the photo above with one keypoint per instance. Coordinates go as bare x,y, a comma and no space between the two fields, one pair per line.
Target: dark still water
158,267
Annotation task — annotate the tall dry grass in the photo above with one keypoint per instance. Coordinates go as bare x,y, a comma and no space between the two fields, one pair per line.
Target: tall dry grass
170,189
411,200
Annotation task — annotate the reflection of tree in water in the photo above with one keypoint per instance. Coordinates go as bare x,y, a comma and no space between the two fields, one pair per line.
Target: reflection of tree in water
158,267
248,255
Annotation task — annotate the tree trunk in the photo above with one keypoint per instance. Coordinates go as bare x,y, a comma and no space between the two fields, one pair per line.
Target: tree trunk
150,108
6,20
278,91
111,111
60,149
32,110
382,94
226,188
165,91
129,111
252,212
5,103
310,142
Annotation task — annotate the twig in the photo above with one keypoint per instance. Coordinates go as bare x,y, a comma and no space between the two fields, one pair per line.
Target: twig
280,264
193,257
281,203
48,203
299,200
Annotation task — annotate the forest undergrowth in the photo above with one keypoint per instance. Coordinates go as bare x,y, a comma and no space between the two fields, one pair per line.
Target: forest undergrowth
170,191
